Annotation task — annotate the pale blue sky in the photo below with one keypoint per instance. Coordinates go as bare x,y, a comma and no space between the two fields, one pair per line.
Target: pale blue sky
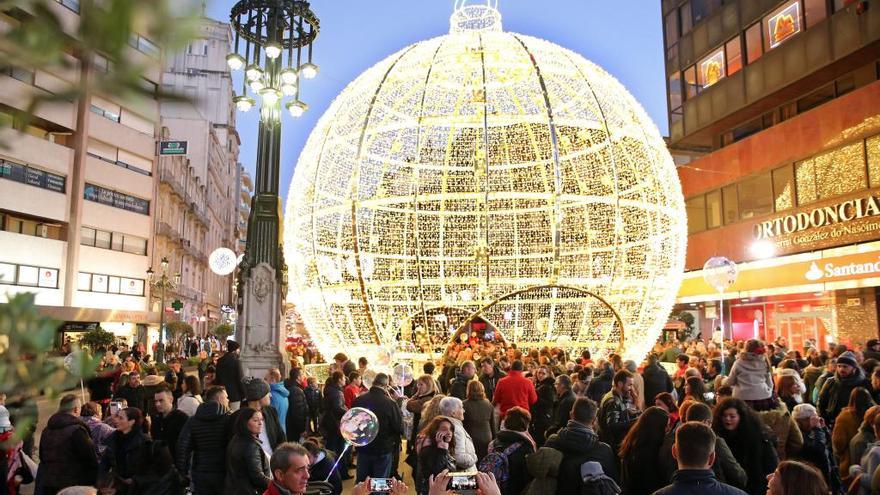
355,34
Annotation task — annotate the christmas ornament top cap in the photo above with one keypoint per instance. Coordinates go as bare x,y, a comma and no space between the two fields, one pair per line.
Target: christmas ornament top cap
475,17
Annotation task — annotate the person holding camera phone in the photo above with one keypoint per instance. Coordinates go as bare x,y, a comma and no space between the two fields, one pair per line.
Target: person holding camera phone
380,485
434,454
486,484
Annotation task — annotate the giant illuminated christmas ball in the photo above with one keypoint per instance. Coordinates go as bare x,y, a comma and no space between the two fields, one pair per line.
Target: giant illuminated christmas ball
489,177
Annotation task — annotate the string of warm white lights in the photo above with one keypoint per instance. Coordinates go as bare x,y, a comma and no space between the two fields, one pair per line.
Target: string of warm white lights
476,165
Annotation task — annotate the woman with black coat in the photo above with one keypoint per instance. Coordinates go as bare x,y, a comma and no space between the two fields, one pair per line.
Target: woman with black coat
817,444
515,439
120,456
750,440
247,467
601,383
640,451
334,409
434,452
542,410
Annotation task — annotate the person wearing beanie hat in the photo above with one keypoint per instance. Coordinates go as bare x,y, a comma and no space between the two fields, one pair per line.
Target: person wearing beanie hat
836,390
257,396
817,444
229,373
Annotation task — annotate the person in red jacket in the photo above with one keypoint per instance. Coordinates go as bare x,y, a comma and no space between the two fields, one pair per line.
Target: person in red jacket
353,389
514,390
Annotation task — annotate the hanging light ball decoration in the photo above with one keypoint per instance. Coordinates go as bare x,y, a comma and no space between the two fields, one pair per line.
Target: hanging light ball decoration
277,36
720,273
486,173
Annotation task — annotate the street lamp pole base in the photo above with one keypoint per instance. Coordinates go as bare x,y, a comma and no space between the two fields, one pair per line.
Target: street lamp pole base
259,330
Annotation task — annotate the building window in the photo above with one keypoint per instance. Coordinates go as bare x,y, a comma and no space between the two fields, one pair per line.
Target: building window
107,114
702,9
873,154
734,56
114,241
781,24
730,203
70,4
675,91
30,276
816,98
32,226
686,20
696,214
754,48
713,209
24,174
671,23
101,63
783,188
24,75
756,198
815,11
143,45
711,69
116,199
831,174
690,82
96,282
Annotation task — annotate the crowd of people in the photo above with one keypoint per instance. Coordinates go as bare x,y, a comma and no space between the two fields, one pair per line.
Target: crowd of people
758,418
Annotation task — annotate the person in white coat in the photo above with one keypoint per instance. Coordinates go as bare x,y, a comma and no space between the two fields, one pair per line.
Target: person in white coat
464,453
750,377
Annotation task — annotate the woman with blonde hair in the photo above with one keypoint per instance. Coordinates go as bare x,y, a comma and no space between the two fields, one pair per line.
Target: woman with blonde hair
479,417
425,391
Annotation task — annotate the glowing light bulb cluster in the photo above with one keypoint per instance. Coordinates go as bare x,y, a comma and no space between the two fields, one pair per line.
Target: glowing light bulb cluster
485,173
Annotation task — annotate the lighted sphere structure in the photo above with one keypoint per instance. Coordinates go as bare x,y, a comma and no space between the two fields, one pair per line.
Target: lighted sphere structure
485,173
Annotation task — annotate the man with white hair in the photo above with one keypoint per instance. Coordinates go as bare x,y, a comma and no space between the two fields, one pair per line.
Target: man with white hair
465,454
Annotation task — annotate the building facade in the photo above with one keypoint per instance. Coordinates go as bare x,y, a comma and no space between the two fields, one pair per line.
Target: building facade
780,100
77,203
199,192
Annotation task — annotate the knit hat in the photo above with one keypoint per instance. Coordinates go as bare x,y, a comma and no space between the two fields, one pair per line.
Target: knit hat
5,424
255,389
849,358
803,411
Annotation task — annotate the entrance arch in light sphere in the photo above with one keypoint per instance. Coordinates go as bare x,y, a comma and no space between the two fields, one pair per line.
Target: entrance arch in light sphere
474,165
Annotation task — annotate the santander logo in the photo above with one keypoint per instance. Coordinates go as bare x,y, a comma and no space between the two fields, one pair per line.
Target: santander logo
831,270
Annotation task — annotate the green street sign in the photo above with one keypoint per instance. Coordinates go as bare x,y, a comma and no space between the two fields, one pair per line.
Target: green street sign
172,148
177,305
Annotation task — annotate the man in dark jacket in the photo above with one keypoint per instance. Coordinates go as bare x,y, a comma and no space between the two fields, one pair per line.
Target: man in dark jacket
374,459
167,423
174,370
694,450
230,374
489,376
564,402
601,383
344,364
458,385
617,413
67,454
835,392
134,392
578,444
297,419
656,380
205,437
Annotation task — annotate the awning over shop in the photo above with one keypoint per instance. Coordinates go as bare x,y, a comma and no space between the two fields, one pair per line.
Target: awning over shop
831,269
66,313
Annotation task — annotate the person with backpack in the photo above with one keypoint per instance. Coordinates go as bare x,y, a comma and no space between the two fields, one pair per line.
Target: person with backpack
507,455
578,444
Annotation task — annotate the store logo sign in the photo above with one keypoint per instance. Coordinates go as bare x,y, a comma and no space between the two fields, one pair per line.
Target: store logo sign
846,211
834,271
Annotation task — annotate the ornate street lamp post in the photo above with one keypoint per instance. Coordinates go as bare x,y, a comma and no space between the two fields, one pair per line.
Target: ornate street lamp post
164,283
277,36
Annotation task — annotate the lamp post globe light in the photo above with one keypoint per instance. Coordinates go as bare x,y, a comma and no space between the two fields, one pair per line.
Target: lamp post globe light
163,284
273,46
